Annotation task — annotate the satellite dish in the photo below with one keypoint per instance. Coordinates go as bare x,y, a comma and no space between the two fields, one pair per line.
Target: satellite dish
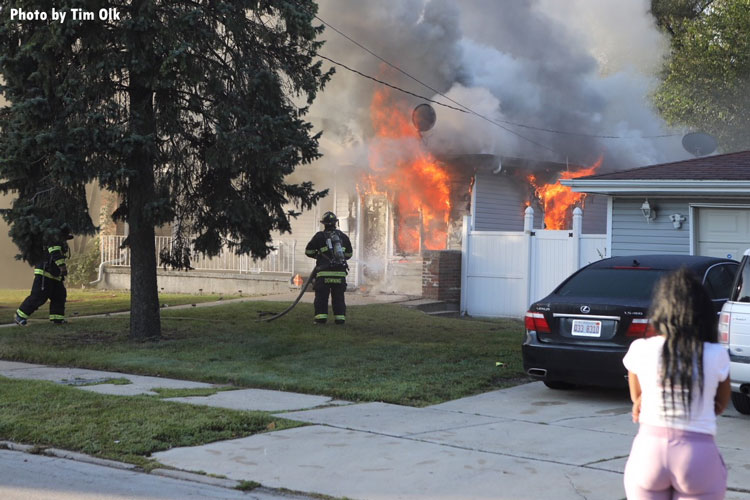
423,117
699,144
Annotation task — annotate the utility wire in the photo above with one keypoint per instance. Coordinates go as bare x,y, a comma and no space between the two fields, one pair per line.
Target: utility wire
467,110
464,109
390,85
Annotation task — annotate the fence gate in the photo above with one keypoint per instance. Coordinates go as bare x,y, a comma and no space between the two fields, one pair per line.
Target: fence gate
503,272
553,258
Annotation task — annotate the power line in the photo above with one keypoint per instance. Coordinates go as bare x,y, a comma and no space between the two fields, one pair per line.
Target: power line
464,109
467,110
390,85
435,102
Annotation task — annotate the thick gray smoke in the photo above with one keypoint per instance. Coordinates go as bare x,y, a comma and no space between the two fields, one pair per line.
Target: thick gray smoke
584,67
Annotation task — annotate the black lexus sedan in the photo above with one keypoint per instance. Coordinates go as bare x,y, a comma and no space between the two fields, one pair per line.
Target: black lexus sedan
579,333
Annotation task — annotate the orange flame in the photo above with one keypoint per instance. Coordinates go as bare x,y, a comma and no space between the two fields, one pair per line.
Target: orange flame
410,176
558,199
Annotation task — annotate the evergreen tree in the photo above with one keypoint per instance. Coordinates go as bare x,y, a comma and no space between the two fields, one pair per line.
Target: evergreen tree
706,80
191,111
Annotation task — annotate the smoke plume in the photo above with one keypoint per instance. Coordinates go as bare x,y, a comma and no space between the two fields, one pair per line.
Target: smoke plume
583,67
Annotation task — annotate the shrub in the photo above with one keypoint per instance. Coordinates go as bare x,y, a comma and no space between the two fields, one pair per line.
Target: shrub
83,267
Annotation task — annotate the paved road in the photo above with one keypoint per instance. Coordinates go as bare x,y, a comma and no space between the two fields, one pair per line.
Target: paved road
24,476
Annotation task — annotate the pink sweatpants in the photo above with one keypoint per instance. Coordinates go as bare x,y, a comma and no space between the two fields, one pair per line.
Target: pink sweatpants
673,464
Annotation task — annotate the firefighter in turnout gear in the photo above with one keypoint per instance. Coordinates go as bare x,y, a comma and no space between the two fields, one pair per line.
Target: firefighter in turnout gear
49,277
331,249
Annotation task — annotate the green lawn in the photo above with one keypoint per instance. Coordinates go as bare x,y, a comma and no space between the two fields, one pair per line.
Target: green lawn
124,428
86,302
384,353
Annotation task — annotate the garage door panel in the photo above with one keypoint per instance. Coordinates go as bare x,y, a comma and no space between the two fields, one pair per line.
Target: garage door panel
723,232
723,224
723,250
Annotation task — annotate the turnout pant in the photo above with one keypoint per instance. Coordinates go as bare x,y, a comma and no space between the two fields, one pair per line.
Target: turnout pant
335,287
44,289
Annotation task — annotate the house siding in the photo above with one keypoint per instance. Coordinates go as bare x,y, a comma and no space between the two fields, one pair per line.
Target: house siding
594,215
632,235
500,204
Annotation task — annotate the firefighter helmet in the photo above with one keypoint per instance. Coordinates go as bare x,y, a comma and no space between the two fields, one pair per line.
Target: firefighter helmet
329,219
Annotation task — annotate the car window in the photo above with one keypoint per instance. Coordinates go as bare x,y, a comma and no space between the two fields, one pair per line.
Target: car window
611,283
719,279
741,291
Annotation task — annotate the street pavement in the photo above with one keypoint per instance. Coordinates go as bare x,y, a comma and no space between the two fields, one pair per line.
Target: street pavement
525,442
26,476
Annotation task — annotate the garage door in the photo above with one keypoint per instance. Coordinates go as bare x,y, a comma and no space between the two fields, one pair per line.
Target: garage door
723,232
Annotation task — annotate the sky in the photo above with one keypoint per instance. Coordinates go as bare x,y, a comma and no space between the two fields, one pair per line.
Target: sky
580,69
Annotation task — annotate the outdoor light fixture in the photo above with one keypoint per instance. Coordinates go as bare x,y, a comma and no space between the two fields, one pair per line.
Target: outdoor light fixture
648,212
677,220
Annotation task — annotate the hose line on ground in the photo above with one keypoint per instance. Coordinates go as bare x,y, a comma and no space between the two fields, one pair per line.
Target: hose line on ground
299,297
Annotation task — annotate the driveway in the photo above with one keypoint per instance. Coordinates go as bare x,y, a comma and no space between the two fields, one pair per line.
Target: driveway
526,442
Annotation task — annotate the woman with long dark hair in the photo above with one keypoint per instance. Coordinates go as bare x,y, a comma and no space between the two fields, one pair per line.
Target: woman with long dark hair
679,383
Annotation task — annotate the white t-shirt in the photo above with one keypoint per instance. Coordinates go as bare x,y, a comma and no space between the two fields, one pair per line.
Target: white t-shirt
644,358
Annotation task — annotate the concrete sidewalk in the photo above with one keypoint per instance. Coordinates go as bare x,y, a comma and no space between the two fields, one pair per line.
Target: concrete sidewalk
526,442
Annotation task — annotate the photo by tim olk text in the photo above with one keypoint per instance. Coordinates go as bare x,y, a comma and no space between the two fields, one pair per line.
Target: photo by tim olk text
75,14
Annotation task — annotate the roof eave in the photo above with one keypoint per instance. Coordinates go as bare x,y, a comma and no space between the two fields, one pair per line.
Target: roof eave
661,186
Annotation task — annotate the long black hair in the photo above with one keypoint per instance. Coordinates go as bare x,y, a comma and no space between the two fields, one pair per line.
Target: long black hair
682,311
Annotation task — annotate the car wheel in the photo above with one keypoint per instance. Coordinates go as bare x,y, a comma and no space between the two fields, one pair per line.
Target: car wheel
557,384
741,402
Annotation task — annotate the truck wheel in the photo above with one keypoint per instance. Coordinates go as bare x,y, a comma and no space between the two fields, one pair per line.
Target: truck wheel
741,402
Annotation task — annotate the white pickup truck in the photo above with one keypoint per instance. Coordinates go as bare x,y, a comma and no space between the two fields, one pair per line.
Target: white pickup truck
734,332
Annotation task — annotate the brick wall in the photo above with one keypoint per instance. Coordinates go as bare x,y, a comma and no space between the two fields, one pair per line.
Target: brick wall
441,275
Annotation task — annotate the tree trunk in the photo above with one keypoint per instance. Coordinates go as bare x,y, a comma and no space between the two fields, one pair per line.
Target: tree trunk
144,295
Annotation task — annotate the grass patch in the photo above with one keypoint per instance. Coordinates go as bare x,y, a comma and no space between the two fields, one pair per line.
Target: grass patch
247,485
385,352
88,302
124,428
112,381
166,392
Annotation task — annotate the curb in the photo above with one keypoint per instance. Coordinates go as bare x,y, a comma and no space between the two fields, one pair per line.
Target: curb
196,478
80,457
170,473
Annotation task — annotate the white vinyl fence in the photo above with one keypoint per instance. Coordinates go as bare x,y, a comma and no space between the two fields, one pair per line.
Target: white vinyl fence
280,260
503,272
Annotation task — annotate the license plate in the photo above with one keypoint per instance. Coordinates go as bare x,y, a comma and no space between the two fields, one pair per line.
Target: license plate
586,328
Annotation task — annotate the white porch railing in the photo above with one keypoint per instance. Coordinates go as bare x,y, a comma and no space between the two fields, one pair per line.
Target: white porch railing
280,260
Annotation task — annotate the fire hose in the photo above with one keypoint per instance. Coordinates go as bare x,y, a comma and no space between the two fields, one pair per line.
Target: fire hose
299,297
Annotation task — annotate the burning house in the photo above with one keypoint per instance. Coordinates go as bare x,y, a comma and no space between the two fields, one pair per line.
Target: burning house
538,91
406,200
402,198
